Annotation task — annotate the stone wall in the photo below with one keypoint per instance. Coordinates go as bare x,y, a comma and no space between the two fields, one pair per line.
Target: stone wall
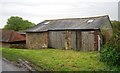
37,40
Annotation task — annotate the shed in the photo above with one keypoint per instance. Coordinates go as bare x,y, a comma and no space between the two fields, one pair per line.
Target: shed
70,33
10,38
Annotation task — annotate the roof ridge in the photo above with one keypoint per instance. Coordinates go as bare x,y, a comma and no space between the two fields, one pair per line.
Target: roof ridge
77,18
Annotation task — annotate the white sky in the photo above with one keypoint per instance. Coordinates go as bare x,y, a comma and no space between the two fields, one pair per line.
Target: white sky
39,10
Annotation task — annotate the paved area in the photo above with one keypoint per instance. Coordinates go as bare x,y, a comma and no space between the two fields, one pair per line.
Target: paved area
0,64
8,66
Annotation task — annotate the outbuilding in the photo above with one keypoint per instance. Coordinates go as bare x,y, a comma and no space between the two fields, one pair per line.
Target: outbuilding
84,34
12,39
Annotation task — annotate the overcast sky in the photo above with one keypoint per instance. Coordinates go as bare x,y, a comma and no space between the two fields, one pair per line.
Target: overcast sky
39,10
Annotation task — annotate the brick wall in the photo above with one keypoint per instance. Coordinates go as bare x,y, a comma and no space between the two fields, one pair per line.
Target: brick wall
95,40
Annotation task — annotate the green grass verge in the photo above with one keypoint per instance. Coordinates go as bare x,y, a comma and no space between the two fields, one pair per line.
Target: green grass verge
57,60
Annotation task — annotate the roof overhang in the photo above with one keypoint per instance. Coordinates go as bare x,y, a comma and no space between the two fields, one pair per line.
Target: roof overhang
65,30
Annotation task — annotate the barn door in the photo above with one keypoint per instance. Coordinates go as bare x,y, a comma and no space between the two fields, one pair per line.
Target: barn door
79,38
62,39
67,38
56,39
70,40
87,41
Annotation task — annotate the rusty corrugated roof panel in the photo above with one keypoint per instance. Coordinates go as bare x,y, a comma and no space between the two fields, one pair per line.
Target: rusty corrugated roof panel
11,36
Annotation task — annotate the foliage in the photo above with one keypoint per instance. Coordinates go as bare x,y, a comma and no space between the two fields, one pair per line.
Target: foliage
17,23
57,60
111,53
111,50
116,26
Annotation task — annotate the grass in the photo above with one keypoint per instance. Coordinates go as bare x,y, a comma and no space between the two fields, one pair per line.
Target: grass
57,60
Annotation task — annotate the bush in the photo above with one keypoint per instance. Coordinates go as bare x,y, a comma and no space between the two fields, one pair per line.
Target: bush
110,52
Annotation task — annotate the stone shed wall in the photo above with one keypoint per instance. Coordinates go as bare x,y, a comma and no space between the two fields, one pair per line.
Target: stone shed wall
37,40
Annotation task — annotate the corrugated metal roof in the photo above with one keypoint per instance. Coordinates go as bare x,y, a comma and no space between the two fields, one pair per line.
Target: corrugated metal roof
10,36
71,23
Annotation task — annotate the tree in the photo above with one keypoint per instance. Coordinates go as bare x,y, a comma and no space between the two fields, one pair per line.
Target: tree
110,52
17,23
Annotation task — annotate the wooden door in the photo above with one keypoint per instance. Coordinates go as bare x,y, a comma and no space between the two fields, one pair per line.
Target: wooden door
56,39
62,39
70,40
87,41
